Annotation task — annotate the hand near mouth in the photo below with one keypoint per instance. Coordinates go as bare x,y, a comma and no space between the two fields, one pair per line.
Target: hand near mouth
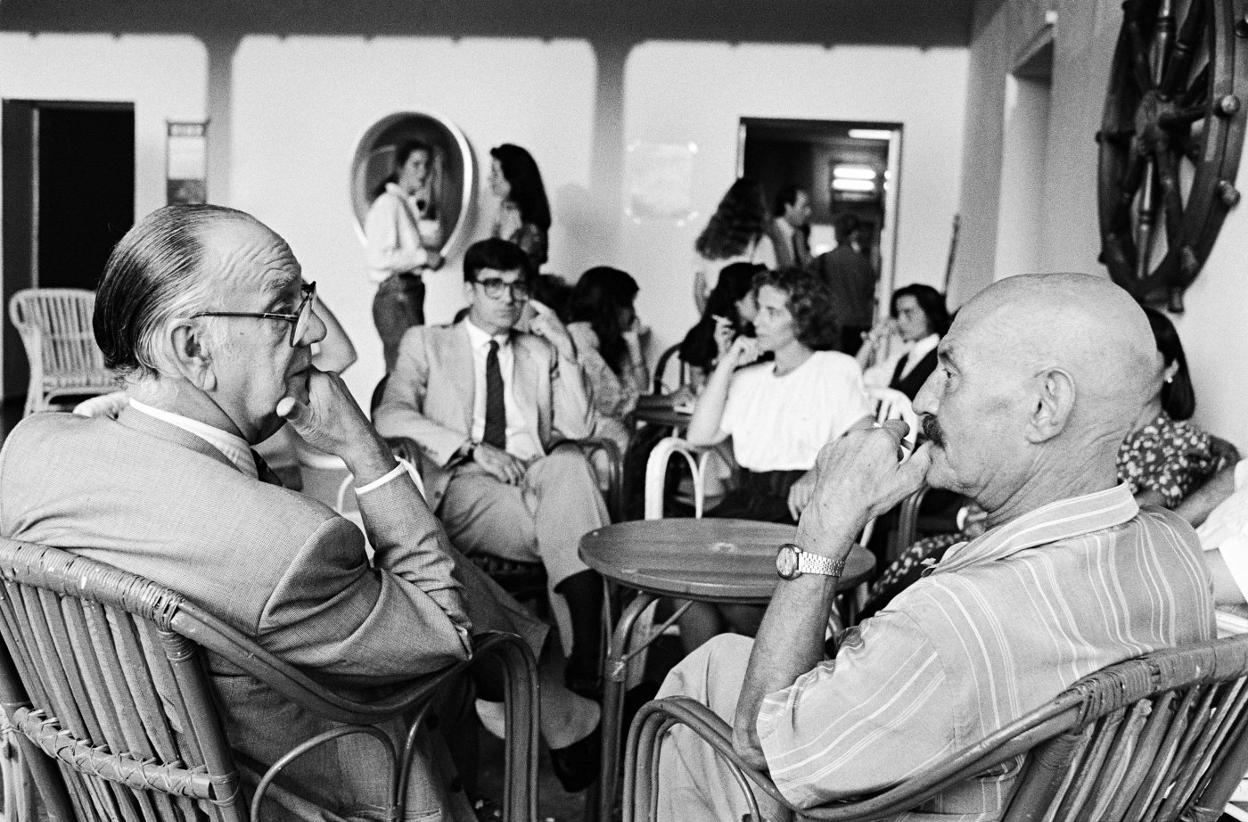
330,420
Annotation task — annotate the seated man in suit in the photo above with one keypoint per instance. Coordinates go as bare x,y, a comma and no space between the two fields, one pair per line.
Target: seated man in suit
1039,379
203,314
488,405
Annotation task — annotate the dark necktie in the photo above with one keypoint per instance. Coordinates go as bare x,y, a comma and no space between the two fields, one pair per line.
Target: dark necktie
495,408
797,249
263,472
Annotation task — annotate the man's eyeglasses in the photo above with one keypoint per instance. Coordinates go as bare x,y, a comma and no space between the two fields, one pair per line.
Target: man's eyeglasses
494,288
299,320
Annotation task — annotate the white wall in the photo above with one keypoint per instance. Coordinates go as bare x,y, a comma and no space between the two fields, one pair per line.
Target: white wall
291,152
1212,328
679,92
297,105
163,76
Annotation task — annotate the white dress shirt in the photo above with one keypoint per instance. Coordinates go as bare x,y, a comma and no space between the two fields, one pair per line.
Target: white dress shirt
522,441
393,236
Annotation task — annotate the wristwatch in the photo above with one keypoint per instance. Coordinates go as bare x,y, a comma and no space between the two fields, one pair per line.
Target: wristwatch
792,562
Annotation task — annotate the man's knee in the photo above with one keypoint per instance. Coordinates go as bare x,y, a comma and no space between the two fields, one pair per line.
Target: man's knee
566,463
712,674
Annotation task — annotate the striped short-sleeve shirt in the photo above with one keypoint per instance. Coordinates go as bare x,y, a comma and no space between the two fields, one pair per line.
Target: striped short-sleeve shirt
1003,624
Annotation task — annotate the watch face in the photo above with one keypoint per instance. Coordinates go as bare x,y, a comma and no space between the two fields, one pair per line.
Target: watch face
786,562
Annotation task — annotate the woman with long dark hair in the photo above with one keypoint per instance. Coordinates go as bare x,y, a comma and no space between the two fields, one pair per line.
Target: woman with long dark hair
603,323
523,210
729,314
401,241
736,233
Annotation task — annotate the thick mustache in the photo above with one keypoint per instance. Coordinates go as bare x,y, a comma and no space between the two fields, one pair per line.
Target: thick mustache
932,430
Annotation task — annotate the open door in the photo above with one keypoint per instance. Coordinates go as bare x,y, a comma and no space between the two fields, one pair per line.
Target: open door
68,197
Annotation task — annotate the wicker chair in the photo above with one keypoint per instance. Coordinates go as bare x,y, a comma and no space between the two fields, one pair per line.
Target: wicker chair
1159,737
103,677
55,327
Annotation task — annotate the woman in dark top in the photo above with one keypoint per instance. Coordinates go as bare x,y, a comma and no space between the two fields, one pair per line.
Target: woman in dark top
729,313
523,210
918,316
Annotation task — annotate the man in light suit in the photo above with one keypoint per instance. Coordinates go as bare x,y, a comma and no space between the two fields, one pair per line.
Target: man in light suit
204,315
489,406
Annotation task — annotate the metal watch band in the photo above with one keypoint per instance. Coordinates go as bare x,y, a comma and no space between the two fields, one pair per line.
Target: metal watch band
809,563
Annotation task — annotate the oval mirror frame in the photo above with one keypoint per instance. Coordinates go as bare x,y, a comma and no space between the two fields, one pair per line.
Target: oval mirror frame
454,176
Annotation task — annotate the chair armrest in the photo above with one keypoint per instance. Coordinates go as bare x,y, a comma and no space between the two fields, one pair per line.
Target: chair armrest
520,706
641,761
615,471
656,474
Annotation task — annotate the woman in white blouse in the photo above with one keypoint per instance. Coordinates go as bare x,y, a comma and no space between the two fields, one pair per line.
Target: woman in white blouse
402,234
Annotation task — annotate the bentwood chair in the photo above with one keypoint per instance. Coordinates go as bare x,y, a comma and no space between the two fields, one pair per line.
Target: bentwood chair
1160,737
55,327
103,675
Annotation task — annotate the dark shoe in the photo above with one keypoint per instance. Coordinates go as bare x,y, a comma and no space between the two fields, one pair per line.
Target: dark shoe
576,766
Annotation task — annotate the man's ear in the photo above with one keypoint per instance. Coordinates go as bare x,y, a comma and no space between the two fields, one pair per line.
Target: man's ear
1054,403
468,293
191,353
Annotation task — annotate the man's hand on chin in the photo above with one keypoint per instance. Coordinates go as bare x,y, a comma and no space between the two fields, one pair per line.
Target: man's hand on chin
331,421
859,477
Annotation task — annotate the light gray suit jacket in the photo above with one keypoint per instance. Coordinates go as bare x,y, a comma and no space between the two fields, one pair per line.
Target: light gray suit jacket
429,396
157,501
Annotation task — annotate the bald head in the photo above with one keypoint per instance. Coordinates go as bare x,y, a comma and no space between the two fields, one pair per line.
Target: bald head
1085,325
156,272
1042,377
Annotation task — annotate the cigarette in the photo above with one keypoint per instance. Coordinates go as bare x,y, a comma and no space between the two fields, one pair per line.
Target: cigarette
905,444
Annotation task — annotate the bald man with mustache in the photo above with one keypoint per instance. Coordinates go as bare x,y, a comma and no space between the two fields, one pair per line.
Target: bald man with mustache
1039,379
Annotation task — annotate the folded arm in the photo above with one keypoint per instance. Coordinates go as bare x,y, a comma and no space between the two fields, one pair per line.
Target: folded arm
386,252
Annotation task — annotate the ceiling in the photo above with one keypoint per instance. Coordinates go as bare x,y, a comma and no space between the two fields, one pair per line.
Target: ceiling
824,22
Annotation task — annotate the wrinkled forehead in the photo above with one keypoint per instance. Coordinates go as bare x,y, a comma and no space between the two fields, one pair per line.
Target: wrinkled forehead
242,255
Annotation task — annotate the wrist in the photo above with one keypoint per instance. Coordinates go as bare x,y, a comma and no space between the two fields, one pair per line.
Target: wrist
367,464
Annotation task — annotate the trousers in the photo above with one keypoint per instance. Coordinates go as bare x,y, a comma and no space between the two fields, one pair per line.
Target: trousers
398,305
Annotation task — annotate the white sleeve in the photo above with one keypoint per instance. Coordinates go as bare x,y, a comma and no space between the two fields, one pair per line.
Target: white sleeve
384,246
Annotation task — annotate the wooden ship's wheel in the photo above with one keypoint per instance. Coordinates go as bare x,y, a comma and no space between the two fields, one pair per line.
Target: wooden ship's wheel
1170,141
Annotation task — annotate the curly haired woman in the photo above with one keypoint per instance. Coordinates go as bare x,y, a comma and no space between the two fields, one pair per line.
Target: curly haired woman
736,233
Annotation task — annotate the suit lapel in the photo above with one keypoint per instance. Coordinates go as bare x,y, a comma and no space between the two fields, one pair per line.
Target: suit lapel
459,363
138,421
525,382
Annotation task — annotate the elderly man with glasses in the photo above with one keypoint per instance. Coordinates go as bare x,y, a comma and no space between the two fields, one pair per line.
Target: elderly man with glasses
488,405
204,315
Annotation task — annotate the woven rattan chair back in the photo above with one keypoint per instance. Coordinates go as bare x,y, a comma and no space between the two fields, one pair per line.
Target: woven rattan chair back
1159,737
55,327
102,674
96,678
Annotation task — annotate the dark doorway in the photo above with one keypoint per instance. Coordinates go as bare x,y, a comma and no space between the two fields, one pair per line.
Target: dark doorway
68,198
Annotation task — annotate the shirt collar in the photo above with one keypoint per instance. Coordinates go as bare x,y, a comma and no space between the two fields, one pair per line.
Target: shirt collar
1064,519
234,447
920,348
479,338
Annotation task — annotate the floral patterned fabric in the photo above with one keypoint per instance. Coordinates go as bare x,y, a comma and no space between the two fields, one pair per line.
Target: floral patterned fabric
1171,457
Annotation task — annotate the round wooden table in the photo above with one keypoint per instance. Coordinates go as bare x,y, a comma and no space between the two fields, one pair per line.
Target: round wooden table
709,560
